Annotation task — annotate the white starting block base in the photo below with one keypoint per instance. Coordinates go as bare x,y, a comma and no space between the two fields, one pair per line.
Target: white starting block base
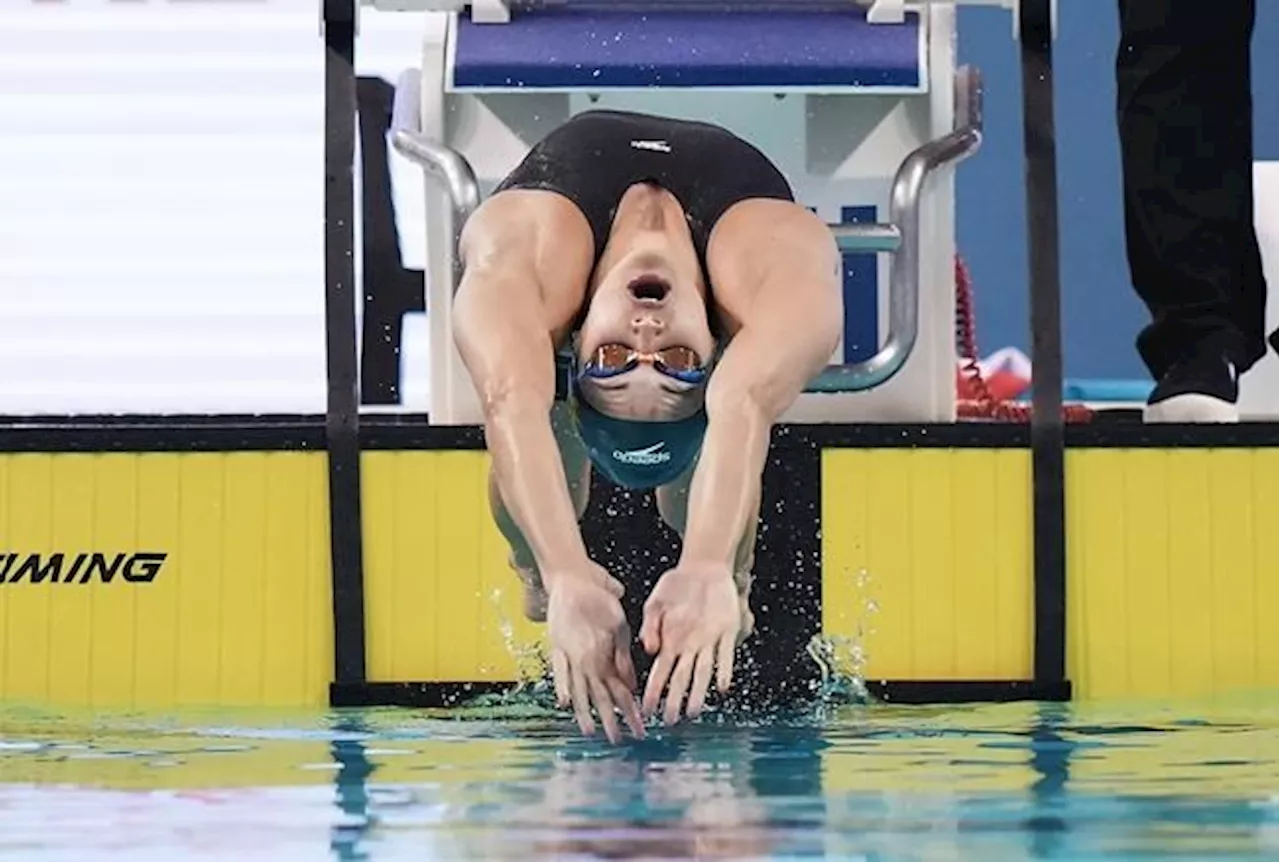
838,150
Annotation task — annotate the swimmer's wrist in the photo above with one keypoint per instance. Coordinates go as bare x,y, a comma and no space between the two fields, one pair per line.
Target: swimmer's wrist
569,569
705,568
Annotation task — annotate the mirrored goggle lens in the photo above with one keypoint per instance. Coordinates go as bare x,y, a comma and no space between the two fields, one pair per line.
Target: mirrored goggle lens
612,359
680,359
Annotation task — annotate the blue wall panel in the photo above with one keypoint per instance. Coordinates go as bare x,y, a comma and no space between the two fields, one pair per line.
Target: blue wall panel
1101,313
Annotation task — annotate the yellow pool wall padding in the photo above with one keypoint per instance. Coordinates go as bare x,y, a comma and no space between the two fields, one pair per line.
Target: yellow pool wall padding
926,561
1172,581
239,614
427,513
1172,571
1171,566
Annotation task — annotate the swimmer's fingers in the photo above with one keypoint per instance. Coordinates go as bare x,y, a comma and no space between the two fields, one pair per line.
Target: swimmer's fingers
604,706
626,669
626,700
701,682
658,675
679,685
622,658
651,627
560,674
623,683
724,662
614,586
581,703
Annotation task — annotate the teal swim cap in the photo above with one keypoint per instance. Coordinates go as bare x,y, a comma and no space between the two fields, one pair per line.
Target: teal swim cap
639,455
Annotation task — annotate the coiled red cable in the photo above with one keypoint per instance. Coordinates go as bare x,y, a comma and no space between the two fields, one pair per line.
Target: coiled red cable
986,406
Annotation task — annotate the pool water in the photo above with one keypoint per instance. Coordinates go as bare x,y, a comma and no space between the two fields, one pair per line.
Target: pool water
874,782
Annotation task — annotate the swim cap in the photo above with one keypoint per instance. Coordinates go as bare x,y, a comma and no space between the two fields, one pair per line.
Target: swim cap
639,455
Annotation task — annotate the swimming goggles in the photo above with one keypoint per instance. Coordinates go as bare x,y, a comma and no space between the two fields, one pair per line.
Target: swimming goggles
679,363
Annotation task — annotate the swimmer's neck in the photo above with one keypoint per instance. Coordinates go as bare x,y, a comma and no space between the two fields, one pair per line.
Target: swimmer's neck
649,231
647,207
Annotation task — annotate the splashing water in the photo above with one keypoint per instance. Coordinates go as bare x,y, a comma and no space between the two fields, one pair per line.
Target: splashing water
841,661
840,685
531,660
533,694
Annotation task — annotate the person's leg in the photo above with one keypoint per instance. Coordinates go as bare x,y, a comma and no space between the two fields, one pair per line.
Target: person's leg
1185,117
577,469
673,506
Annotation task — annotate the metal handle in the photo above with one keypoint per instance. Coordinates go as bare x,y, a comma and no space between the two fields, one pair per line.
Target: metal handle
904,219
444,163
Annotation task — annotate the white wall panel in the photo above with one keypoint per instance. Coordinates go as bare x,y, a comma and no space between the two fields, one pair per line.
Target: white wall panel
161,203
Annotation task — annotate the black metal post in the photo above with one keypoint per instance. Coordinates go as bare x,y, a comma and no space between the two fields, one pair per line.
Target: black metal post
1035,31
342,416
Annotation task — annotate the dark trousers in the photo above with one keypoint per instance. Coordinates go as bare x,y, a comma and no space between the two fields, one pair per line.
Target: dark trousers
1185,114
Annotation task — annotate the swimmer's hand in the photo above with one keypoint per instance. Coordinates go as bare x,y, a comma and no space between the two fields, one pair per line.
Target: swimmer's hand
591,651
691,623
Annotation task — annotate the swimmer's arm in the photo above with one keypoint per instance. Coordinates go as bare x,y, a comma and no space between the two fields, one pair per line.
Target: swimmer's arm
789,328
499,327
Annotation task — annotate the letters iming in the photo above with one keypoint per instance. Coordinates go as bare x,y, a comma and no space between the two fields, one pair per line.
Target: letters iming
81,568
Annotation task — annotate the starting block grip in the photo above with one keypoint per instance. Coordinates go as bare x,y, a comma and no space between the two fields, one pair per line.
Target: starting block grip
876,11
572,49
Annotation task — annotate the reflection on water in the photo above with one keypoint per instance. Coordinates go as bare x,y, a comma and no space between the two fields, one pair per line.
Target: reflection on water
866,782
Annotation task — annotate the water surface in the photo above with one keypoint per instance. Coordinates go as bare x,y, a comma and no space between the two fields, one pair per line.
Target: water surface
875,782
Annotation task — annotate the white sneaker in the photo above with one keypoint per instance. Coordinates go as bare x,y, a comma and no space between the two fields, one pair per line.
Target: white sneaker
1203,389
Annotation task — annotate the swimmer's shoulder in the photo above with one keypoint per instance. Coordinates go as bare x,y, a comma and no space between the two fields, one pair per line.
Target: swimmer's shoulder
518,222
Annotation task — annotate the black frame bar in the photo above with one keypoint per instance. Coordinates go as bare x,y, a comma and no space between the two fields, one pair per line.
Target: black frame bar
342,414
1035,34
439,695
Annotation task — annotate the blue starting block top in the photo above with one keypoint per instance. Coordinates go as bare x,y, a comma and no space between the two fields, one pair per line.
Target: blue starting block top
575,50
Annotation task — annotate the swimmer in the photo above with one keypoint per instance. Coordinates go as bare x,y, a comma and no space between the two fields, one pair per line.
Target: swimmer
697,300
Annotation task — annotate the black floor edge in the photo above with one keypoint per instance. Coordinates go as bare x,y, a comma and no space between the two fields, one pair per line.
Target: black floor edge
95,434
435,695
968,691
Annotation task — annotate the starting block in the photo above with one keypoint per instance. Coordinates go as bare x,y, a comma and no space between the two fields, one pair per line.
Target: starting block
860,104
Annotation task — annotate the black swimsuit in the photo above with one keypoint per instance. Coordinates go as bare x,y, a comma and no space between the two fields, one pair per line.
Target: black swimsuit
597,155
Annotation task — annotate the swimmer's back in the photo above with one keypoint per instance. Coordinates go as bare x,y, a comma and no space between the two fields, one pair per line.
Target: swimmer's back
597,155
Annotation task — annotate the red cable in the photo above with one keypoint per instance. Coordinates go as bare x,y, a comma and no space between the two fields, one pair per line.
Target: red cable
986,405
